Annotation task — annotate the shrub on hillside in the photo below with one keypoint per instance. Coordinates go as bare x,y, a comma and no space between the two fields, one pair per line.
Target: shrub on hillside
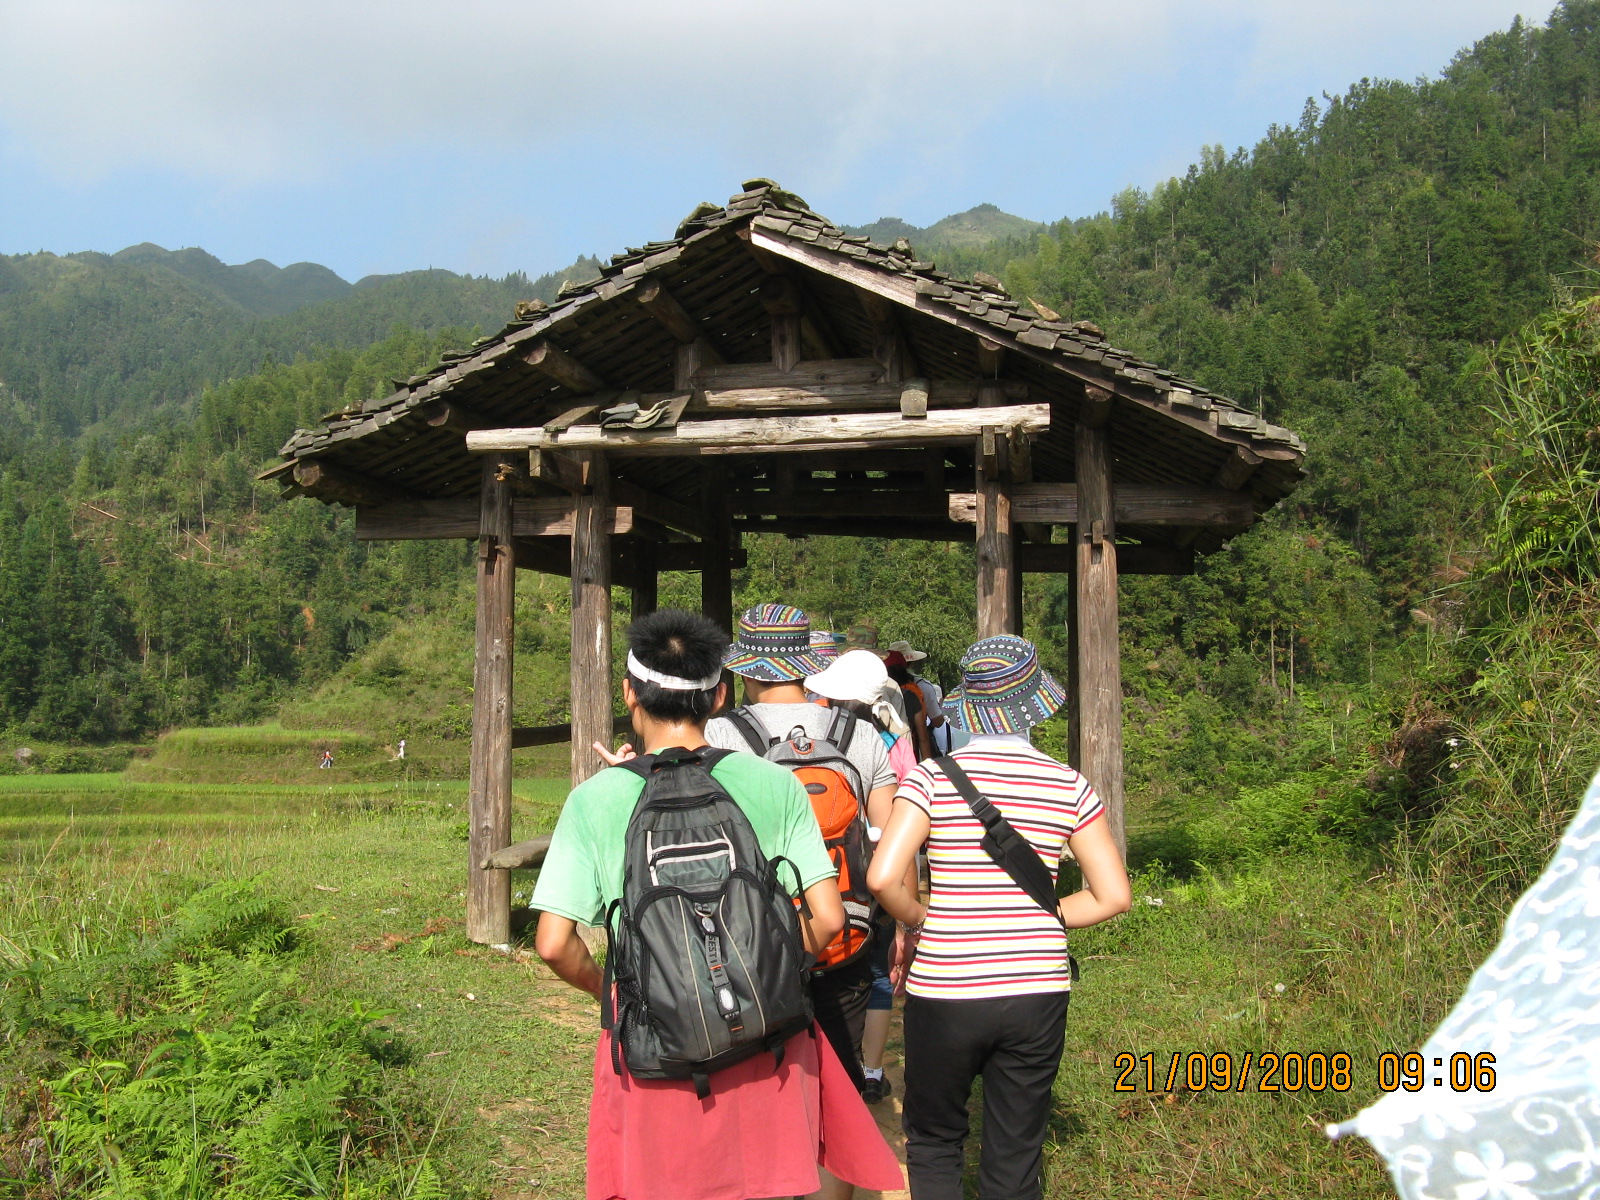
186,1064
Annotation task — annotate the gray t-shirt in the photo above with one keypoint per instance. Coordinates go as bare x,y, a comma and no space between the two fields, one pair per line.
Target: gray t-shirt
867,753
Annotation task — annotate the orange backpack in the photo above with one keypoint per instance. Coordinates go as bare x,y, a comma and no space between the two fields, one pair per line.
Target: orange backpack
834,787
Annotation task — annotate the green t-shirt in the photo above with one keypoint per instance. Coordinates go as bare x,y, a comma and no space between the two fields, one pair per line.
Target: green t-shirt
582,873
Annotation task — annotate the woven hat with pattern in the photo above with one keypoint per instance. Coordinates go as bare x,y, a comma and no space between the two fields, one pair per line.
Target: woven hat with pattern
824,644
774,645
1003,688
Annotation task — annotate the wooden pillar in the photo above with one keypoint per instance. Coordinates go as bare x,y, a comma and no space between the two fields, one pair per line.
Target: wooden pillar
646,578
716,570
1099,682
1074,716
998,594
591,620
489,792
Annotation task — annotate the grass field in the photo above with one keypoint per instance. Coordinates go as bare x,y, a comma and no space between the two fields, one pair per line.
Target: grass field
1300,954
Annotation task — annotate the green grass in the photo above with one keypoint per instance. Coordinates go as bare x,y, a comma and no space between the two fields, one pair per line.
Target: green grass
1368,958
377,893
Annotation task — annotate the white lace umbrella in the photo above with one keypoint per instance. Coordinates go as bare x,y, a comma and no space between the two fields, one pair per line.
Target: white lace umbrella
1534,1005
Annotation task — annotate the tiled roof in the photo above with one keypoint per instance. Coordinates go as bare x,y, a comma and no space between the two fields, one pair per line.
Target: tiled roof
767,207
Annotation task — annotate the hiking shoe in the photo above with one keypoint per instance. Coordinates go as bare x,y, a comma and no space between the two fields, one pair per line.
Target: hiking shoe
877,1090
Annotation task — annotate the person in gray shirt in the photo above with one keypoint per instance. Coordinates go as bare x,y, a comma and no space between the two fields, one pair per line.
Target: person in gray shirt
773,655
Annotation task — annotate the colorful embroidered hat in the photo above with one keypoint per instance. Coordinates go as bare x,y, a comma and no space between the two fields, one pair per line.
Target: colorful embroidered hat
824,644
774,645
1003,688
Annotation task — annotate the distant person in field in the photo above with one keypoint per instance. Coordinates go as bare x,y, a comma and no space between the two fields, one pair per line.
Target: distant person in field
400,750
773,655
327,760
988,984
696,844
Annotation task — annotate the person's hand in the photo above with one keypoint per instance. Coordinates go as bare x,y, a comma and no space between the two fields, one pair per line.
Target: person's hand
900,956
615,758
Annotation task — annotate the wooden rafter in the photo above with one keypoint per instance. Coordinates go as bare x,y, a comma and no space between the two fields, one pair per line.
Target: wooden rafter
772,434
563,369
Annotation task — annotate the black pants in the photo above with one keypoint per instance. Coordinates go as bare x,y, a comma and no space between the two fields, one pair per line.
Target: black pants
1015,1044
840,999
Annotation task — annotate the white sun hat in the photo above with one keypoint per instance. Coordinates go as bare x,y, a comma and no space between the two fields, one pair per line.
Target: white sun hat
904,648
854,675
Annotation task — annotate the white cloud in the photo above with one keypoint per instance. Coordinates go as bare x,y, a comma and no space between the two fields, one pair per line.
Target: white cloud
242,91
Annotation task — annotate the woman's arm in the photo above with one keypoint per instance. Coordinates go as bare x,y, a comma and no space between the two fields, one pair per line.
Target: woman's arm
1105,892
892,875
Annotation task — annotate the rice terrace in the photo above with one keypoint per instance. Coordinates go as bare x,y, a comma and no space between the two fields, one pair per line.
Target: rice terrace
314,599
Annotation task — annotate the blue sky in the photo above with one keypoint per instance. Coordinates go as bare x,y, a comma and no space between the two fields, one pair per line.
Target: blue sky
488,136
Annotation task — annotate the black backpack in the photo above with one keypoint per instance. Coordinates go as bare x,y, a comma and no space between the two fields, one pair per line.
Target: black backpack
706,954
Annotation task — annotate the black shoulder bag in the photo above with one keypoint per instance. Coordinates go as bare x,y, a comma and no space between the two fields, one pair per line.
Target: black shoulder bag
1011,852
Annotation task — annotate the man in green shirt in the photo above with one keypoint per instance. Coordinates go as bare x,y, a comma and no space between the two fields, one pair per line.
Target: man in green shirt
767,1125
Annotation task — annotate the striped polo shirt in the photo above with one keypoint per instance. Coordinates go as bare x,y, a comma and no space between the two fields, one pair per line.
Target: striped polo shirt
984,937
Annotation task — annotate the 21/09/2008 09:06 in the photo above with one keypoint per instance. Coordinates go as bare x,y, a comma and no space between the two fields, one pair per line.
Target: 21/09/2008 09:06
1293,1071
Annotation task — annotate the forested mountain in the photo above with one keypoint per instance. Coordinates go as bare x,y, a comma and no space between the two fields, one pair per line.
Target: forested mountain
90,340
975,228
1349,276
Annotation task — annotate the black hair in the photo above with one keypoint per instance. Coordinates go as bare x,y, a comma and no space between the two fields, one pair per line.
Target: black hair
900,673
679,643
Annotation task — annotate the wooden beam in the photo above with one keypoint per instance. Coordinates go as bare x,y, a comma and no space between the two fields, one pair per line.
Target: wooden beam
844,397
658,508
421,520
810,372
456,418
998,611
843,502
1099,681
1094,410
781,299
661,304
344,485
890,349
591,621
489,787
524,736
909,529
716,580
558,470
518,857
1236,471
1149,559
991,358
1057,504
765,435
563,369
646,579
692,358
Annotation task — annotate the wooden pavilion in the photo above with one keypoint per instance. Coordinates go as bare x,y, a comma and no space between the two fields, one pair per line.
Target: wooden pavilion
809,382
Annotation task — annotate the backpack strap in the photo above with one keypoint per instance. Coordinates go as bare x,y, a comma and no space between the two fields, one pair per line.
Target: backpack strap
752,730
644,765
1011,852
841,729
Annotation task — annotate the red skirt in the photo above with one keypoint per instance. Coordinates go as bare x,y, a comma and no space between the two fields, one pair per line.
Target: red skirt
761,1132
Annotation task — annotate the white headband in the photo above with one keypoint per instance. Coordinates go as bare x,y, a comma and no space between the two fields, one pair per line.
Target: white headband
671,682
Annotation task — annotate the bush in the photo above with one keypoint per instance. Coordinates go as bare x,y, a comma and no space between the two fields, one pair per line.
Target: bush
186,1064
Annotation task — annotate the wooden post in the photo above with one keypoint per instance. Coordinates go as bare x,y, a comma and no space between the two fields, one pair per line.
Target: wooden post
1099,681
591,621
997,554
645,578
1074,715
716,579
489,792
